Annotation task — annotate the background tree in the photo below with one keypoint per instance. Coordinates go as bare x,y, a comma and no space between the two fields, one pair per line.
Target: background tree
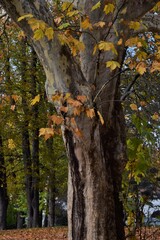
22,78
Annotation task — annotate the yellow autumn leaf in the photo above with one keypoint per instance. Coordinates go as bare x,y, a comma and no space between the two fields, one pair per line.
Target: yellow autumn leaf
107,46
97,5
67,6
134,25
133,106
155,116
36,24
86,24
33,23
15,97
100,117
124,10
49,33
157,36
99,24
112,64
25,16
38,34
141,55
11,144
67,95
141,68
109,8
120,41
95,49
46,132
72,13
155,66
35,100
13,107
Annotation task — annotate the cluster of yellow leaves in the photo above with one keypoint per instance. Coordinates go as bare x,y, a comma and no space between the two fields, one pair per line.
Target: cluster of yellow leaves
74,44
108,8
39,27
105,46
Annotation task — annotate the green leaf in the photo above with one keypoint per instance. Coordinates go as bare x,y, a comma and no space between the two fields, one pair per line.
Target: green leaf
64,25
97,5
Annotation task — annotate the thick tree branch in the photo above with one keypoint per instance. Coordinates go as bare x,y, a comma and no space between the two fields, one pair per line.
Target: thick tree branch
151,22
137,9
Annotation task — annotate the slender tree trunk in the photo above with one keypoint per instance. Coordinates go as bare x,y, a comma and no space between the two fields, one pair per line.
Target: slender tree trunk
26,139
51,206
3,189
28,172
35,142
51,183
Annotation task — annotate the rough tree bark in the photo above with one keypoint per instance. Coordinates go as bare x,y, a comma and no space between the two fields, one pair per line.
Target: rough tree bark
97,159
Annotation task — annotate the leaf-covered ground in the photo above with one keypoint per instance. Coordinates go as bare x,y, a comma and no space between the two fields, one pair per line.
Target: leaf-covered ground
60,233
57,233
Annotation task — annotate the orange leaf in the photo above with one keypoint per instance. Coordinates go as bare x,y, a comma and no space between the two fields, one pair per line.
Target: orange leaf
141,68
46,132
133,107
64,109
100,117
90,112
86,24
77,111
73,102
57,119
82,98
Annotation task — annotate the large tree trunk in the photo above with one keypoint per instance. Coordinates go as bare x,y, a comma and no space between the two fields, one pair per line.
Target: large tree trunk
94,207
97,157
